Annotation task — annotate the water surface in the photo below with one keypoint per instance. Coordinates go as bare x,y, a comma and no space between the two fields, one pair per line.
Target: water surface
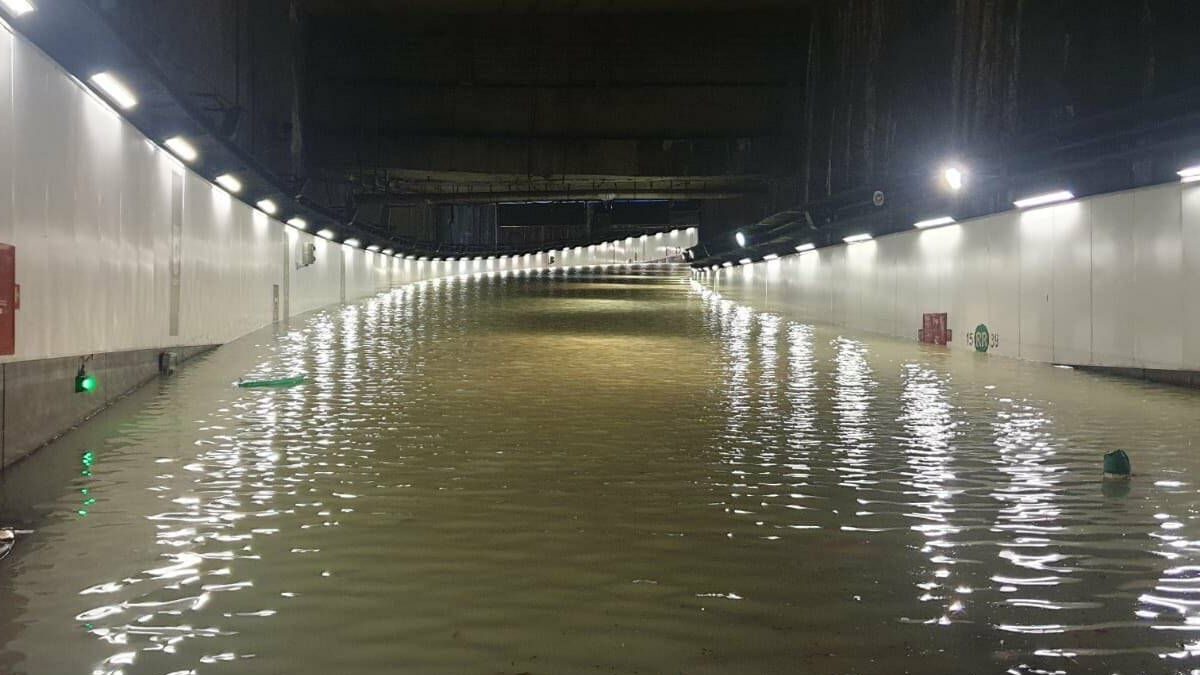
606,474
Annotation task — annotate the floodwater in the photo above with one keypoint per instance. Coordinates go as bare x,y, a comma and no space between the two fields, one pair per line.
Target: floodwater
606,475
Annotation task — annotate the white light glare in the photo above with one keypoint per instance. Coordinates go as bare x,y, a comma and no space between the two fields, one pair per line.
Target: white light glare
740,238
325,234
181,148
744,261
268,206
856,238
1190,174
351,242
115,90
804,247
388,251
771,256
229,182
373,248
1048,198
934,222
954,177
18,7
301,224
726,264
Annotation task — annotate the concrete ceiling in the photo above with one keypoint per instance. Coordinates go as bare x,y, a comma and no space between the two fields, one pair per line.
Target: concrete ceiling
359,7
492,101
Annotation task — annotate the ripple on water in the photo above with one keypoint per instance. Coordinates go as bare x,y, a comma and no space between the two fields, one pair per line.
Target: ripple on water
523,475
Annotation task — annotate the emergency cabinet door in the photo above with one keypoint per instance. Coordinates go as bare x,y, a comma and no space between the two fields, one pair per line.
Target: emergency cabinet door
8,300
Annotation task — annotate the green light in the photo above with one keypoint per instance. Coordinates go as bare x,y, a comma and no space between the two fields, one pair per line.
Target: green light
85,382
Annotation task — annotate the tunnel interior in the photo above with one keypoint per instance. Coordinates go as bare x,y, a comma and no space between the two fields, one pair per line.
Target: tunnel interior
628,336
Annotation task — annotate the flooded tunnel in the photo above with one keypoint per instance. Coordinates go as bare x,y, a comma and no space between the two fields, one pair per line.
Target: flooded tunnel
573,337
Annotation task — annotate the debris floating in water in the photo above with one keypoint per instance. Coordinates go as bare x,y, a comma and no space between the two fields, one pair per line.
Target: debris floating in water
1117,465
8,537
292,381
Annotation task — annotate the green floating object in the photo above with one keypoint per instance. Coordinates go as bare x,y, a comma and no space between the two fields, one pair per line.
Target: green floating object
273,384
1116,465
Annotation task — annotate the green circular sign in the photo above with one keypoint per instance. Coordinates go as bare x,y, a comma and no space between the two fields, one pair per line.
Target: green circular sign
982,338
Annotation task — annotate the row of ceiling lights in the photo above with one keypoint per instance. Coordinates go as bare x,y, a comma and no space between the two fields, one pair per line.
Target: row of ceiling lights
123,97
954,178
120,95
549,251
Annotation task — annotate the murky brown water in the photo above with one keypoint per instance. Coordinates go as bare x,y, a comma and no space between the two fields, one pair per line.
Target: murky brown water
612,475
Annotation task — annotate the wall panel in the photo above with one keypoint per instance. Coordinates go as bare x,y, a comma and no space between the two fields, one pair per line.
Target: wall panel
86,200
1107,281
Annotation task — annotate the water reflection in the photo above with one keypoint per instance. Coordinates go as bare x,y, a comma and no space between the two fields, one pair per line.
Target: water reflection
526,474
928,442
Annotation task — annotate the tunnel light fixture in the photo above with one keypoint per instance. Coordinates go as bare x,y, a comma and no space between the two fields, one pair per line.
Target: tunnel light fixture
740,238
1189,175
1042,200
229,182
267,206
388,251
954,177
805,247
727,264
351,242
373,248
324,234
422,259
18,7
302,224
179,147
771,256
114,90
857,238
934,222
745,261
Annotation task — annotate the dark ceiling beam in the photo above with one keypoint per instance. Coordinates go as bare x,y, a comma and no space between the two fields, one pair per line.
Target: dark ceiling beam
348,135
375,84
548,195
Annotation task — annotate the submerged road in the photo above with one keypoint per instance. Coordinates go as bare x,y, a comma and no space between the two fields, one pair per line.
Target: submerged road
605,474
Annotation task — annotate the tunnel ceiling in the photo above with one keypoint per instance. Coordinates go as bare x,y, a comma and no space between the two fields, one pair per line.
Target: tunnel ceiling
414,119
327,7
490,101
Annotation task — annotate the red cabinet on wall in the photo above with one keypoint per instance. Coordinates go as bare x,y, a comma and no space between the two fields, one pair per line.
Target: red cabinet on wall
10,299
934,329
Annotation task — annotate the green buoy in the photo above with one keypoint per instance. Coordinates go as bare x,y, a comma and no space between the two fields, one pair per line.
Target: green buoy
1116,465
293,381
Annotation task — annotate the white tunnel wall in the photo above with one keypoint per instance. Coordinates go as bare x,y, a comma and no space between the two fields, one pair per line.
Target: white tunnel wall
86,200
1110,281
